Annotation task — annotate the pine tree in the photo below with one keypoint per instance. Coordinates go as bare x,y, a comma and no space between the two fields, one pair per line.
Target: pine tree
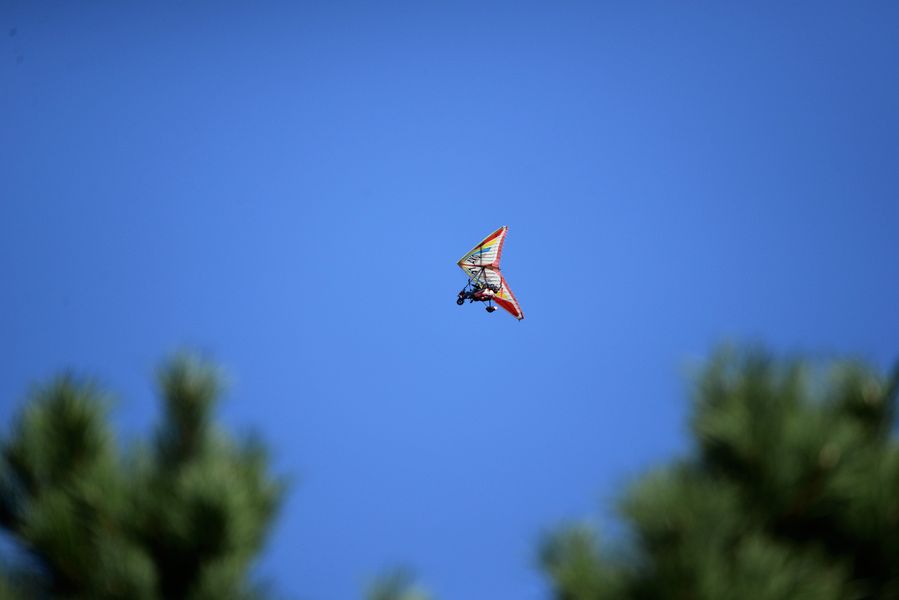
183,516
791,493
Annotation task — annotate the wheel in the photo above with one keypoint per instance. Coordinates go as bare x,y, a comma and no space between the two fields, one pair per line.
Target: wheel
460,301
490,309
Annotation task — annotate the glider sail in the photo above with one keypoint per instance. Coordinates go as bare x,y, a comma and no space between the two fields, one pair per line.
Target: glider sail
507,300
487,253
481,264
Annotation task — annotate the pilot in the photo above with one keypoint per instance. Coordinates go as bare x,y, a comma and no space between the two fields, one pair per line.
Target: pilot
483,294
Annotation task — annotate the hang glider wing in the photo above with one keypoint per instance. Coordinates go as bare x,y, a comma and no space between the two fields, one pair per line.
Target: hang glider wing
483,275
487,253
506,299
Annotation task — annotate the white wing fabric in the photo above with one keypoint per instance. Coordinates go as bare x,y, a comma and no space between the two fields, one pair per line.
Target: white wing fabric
488,252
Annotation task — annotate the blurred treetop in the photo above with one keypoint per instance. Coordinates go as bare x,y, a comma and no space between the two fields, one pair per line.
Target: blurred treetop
181,516
398,584
792,493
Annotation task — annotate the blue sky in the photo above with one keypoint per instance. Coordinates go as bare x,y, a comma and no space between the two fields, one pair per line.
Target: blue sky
287,187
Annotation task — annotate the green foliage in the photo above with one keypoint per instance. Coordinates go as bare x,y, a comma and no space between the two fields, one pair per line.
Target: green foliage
791,494
572,559
396,585
183,517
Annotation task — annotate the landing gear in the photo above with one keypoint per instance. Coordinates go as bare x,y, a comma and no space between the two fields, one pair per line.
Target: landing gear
490,309
460,301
